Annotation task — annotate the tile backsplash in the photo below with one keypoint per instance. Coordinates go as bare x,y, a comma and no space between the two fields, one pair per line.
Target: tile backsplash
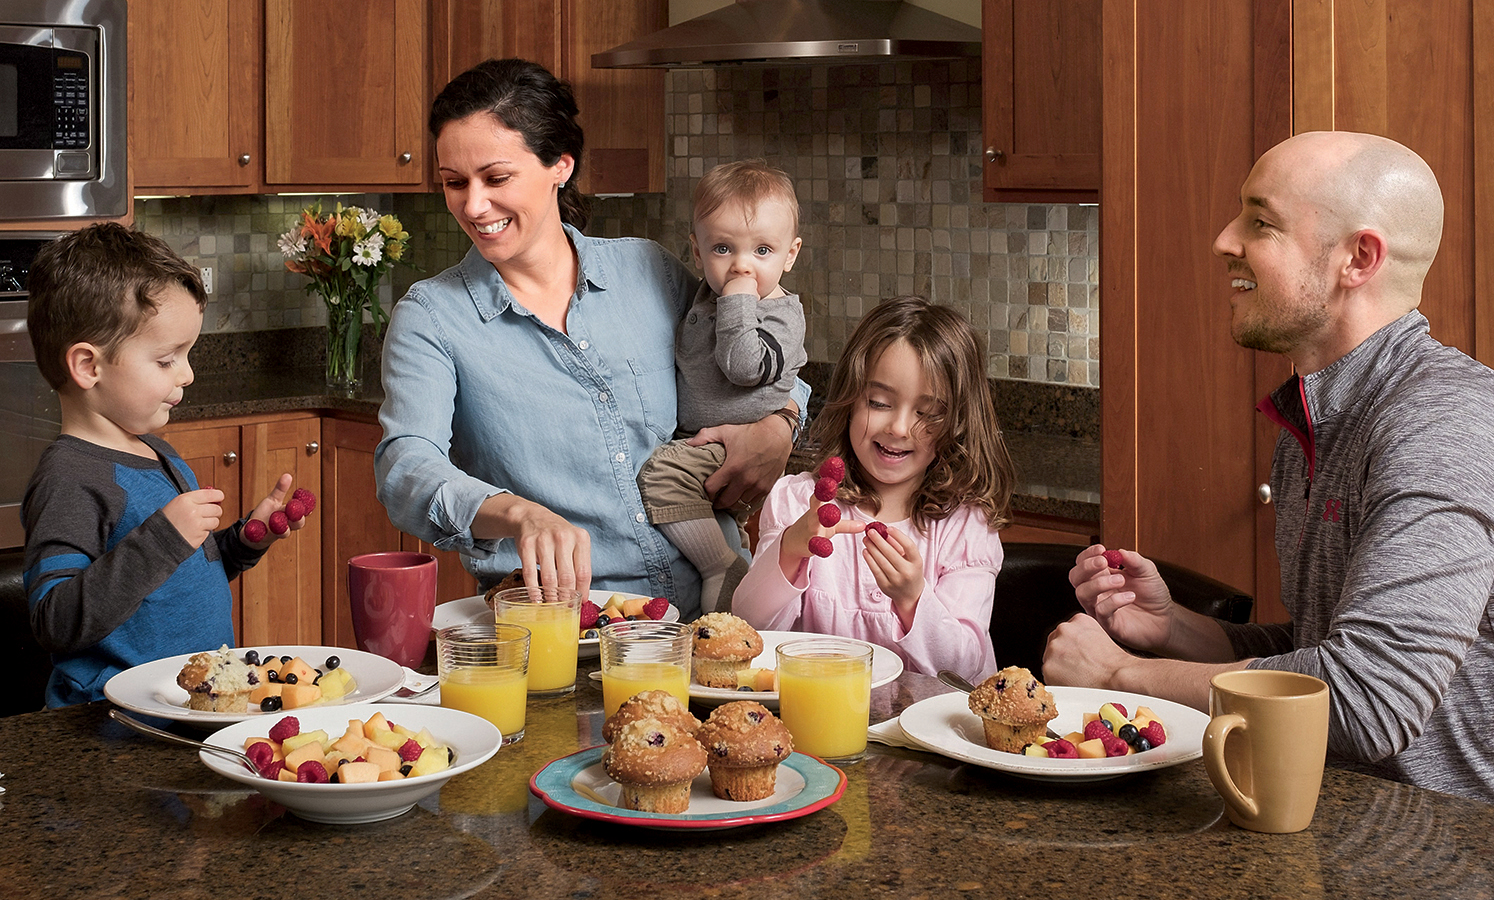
887,163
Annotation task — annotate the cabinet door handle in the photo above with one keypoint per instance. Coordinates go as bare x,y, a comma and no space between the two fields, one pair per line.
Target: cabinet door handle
404,158
313,447
1264,493
992,154
244,160
230,457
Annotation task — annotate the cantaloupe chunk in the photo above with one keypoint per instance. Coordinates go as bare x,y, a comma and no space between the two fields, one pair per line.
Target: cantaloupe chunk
634,606
1094,749
287,775
353,745
304,673
375,724
392,775
295,696
357,773
1074,737
264,689
313,750
383,757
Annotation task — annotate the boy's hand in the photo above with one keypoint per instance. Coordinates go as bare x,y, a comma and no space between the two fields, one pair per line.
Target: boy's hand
195,514
897,567
271,513
740,284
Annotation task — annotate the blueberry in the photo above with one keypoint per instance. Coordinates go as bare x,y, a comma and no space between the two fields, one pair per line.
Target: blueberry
333,662
1142,745
703,633
1107,724
405,769
251,658
291,678
604,620
285,659
590,634
318,679
745,688
274,675
1128,733
270,704
656,739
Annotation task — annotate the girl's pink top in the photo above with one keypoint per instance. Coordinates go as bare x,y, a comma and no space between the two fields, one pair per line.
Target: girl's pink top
838,595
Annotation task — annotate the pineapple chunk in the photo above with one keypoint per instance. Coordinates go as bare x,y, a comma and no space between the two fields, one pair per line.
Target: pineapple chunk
306,737
756,679
1035,750
432,759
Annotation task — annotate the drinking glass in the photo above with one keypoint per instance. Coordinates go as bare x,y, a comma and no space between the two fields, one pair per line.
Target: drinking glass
484,670
553,618
645,656
824,696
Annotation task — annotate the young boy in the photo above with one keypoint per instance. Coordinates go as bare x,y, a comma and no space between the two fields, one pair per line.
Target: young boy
119,566
737,355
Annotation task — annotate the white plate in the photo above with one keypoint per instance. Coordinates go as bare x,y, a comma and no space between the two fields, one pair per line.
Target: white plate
473,739
150,688
945,725
886,666
476,609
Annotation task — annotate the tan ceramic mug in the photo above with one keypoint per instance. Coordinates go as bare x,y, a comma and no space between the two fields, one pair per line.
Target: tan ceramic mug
1265,745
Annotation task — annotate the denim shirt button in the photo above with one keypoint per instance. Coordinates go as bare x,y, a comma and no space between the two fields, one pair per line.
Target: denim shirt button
602,396
620,457
639,518
584,345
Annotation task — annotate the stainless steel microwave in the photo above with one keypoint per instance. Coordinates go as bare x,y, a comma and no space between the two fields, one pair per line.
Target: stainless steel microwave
62,109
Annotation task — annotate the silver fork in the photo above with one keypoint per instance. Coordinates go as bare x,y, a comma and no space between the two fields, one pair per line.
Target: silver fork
405,693
167,736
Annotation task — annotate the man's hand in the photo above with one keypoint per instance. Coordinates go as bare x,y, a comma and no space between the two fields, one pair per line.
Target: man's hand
1133,605
195,514
1081,654
755,457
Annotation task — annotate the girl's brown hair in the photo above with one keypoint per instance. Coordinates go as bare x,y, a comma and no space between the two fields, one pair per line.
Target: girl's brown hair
971,463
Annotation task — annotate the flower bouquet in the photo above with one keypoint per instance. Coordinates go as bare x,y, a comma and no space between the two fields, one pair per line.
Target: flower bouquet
345,254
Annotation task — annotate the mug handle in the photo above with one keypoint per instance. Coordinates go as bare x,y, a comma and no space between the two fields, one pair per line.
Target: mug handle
1213,757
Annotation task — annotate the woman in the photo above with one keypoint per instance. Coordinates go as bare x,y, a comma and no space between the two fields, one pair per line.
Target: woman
527,384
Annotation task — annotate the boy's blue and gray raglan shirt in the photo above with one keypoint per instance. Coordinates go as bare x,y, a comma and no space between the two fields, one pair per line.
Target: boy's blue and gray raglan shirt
1383,487
110,581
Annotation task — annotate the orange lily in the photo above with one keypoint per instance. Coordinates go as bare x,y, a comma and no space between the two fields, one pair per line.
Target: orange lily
321,232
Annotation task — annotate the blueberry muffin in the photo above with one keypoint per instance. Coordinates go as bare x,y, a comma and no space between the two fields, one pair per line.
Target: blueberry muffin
1014,708
217,681
723,645
744,744
654,763
660,705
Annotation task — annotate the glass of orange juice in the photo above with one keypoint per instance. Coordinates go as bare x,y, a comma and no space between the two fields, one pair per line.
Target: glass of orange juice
645,656
824,696
484,670
553,618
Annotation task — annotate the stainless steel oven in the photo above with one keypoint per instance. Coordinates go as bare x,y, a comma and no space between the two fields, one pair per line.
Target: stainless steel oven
62,109
30,417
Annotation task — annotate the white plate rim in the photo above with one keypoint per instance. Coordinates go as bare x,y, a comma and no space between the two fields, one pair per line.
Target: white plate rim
470,609
886,667
943,724
141,688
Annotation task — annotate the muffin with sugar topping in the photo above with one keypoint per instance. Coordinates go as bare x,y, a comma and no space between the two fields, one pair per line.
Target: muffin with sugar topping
1014,708
660,705
654,763
744,743
217,681
724,644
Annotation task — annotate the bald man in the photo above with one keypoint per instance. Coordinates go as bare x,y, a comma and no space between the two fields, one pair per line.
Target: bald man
1382,481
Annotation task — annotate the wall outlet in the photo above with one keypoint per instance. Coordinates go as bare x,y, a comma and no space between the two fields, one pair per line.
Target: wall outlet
207,279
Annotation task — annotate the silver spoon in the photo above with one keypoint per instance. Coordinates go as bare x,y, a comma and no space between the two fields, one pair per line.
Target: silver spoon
167,736
960,684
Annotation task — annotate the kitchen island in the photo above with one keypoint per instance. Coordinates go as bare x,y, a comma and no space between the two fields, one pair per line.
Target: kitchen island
92,809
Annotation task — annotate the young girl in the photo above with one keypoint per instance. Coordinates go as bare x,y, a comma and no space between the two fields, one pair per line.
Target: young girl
909,411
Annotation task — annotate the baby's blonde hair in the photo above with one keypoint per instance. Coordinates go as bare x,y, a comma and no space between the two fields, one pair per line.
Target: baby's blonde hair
751,181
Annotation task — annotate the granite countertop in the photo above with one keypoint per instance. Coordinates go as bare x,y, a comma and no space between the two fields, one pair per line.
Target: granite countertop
92,809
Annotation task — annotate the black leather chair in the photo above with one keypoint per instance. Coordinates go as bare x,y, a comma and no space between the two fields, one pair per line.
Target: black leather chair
1033,596
24,665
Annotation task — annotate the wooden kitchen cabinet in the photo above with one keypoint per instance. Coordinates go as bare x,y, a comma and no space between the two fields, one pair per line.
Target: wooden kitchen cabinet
357,523
1040,103
255,96
277,601
622,110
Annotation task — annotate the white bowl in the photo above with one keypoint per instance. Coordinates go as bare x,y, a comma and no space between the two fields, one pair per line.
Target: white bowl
474,740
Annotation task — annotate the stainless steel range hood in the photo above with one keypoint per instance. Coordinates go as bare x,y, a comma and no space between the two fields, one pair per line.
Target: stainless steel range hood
784,32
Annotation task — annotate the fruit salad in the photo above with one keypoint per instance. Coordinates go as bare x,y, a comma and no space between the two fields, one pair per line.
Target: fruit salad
619,608
372,750
1109,732
289,682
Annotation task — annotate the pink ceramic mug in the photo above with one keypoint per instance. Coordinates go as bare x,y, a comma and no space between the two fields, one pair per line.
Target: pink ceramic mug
393,596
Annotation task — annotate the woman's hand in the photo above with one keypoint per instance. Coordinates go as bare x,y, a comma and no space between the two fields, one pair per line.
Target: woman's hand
898,569
552,551
1132,604
755,458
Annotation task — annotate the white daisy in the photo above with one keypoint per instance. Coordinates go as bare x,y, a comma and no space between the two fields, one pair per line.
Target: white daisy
369,251
292,245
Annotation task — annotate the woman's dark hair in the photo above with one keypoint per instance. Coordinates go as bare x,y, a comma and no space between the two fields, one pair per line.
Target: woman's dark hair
526,98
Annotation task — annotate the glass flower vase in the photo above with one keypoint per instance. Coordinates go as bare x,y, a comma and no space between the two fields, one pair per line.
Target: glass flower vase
345,342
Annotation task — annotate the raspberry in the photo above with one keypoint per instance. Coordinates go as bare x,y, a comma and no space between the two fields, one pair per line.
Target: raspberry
307,498
1061,749
879,528
409,751
1120,709
1154,734
825,488
1096,729
1114,746
820,546
295,510
254,531
290,726
1113,559
833,468
261,752
279,522
312,772
656,608
829,515
589,613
